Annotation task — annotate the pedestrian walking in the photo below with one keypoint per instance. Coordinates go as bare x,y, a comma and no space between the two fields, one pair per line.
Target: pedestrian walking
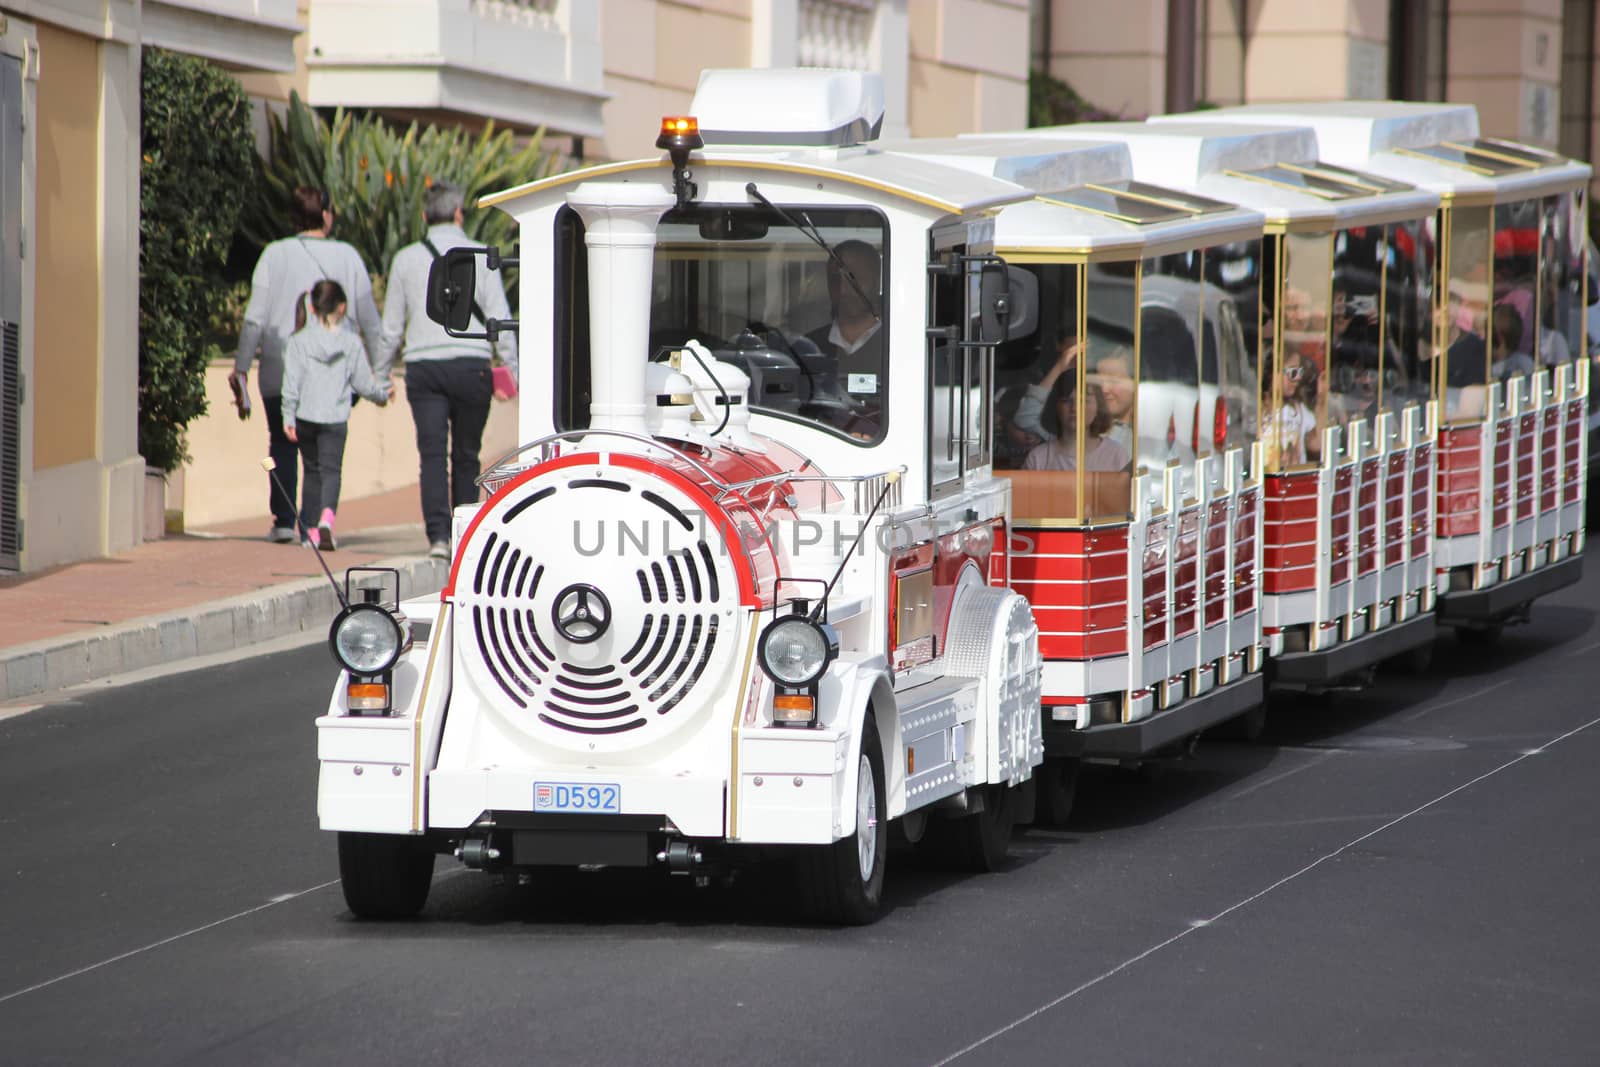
322,365
449,380
279,288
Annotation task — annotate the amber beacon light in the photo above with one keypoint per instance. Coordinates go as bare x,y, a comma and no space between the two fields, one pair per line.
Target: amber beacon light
680,135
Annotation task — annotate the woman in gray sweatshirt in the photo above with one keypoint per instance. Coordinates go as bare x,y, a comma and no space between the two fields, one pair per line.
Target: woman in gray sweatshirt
322,364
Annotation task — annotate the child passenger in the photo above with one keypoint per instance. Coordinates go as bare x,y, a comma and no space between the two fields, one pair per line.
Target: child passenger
322,364
1100,451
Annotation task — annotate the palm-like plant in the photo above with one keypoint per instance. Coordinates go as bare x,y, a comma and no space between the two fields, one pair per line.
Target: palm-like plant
377,174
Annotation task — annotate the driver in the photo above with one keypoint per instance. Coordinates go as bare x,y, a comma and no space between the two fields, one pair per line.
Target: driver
852,342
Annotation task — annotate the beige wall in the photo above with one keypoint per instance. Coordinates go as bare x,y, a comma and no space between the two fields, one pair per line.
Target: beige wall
225,483
1115,61
66,399
654,52
1326,51
969,66
1505,57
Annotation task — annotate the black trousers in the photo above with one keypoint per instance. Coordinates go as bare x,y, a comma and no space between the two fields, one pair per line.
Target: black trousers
286,459
450,404
322,450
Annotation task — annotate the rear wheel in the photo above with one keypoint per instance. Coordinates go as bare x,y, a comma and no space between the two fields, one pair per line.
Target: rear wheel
1057,791
1480,637
843,881
979,841
384,876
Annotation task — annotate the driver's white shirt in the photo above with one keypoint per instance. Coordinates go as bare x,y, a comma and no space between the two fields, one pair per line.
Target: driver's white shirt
850,348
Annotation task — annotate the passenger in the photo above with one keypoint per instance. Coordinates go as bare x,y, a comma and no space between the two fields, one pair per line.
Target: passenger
853,341
1031,405
1113,373
1509,360
1012,442
1099,451
1293,432
1466,353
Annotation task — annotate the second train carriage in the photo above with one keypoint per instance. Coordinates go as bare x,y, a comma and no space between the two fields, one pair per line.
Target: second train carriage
1509,366
1124,424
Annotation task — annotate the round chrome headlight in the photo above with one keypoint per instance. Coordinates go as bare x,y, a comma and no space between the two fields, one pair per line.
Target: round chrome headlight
366,639
794,651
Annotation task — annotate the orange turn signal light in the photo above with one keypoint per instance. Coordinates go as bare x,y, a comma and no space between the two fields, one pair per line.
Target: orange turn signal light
367,696
793,707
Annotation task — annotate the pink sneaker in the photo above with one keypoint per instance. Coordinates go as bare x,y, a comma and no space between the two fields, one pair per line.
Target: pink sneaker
324,530
311,538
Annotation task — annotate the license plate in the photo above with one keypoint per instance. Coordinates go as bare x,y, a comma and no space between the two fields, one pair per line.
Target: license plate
602,797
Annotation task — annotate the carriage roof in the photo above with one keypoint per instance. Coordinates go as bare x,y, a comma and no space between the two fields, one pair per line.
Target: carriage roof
1273,168
1434,146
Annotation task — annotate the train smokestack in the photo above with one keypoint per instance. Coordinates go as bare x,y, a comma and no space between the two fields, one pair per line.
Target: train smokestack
620,231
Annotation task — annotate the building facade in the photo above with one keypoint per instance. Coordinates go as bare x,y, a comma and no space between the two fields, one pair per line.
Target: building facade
597,75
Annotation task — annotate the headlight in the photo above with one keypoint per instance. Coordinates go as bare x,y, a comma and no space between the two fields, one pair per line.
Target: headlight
795,651
366,639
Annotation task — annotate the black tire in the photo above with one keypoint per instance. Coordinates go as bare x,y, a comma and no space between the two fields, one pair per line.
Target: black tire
977,842
384,876
843,882
1481,637
1055,792
1418,661
1248,727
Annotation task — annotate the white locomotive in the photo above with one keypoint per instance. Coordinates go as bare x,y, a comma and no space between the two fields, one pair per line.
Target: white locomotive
745,586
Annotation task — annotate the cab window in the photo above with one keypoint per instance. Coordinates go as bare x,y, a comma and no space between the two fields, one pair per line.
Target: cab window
799,308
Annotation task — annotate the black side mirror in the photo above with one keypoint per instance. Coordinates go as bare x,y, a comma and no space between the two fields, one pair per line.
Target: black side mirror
451,283
1009,301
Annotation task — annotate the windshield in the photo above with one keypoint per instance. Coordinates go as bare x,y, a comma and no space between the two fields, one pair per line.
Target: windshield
809,329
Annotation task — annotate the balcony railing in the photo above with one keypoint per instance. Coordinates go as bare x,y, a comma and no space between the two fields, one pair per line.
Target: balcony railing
527,63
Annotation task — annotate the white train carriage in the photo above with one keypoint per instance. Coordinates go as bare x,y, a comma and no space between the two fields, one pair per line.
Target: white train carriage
1345,424
745,588
1136,521
1508,374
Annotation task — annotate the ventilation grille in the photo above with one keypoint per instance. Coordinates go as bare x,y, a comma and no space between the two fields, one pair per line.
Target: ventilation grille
664,611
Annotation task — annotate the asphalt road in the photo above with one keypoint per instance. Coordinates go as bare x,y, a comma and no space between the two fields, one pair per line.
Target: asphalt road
1405,875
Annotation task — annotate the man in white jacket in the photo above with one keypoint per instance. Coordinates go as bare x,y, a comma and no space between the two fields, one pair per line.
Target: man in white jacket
449,380
283,276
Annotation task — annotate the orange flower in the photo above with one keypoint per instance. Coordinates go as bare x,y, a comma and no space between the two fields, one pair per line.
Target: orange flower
388,178
427,181
363,163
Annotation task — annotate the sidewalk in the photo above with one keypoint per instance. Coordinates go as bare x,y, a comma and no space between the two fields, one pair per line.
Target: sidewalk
194,594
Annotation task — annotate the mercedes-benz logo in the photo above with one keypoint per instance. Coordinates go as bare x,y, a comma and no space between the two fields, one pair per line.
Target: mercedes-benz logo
581,613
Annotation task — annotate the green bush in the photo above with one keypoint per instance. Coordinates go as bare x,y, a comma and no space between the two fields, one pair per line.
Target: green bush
198,167
1052,102
377,174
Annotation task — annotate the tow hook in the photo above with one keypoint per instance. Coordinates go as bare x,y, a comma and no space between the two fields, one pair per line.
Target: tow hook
680,857
478,853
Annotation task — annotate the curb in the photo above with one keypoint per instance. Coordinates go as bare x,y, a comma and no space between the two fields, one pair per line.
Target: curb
205,629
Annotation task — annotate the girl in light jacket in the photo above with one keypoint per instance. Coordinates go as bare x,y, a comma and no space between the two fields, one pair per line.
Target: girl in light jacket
322,365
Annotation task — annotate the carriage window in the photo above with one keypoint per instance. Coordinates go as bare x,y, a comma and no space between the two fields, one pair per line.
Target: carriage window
1561,299
1170,318
809,328
1356,358
1466,311
1294,348
1233,276
1514,318
1408,346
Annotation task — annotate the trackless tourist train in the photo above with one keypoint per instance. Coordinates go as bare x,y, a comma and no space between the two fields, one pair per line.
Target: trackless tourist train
875,485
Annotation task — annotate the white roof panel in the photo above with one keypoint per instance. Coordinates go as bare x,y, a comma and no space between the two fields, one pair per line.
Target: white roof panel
1272,168
1024,161
1411,142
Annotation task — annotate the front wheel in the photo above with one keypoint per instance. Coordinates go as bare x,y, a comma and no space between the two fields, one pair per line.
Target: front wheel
384,876
843,881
